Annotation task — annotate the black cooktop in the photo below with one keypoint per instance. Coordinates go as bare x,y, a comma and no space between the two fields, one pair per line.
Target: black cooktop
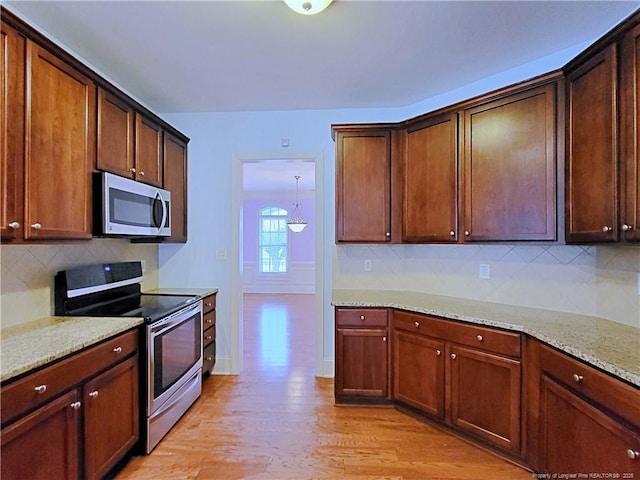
112,290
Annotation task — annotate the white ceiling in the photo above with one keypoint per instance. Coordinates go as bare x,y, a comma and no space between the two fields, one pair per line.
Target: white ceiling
195,56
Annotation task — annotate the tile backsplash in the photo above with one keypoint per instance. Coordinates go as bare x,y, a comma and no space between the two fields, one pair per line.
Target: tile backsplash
26,280
600,281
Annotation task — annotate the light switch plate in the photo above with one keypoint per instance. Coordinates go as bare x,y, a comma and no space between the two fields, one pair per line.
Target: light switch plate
221,253
485,271
367,265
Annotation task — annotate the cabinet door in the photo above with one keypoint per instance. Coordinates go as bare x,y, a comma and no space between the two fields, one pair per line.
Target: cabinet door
577,437
591,198
148,157
175,180
630,135
60,148
115,134
363,186
44,445
111,421
12,55
430,181
362,361
485,396
510,167
418,372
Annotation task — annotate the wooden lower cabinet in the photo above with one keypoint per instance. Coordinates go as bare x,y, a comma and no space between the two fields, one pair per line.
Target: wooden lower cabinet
74,419
419,372
208,333
485,396
111,419
44,444
577,437
362,354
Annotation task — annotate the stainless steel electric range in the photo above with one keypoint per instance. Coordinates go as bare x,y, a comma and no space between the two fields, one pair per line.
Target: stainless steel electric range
171,379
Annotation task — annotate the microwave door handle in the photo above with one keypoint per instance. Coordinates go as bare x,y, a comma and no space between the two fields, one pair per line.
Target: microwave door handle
158,200
165,213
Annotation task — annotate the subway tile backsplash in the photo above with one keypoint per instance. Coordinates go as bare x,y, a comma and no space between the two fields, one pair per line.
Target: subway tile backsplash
599,281
26,279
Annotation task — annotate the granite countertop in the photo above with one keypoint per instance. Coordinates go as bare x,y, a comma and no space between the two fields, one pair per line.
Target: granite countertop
610,346
201,292
34,344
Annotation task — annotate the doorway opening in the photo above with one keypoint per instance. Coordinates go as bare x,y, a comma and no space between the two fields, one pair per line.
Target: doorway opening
278,274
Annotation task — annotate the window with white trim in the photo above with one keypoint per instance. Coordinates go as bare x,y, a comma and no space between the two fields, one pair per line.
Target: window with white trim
272,241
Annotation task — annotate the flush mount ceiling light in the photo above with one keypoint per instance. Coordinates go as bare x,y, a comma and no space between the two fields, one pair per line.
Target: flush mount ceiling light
308,7
296,222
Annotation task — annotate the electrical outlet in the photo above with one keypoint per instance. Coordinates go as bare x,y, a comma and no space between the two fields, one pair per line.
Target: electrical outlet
143,264
221,253
485,270
367,265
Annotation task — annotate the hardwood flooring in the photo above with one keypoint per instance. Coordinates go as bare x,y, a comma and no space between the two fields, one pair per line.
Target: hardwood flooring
277,421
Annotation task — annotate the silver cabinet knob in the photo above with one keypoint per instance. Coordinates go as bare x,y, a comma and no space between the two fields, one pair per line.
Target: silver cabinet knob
117,350
132,170
467,233
388,234
208,304
452,233
384,339
36,226
75,405
209,320
141,174
438,353
479,338
606,229
209,337
41,388
453,356
417,324
208,359
93,394
626,228
362,317
577,378
633,454
14,225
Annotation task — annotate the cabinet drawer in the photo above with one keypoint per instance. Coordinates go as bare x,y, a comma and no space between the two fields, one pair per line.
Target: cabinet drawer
616,396
484,338
33,390
361,317
208,357
208,336
209,303
208,319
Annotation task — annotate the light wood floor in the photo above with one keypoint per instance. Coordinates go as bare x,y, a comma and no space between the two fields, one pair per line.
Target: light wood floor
277,421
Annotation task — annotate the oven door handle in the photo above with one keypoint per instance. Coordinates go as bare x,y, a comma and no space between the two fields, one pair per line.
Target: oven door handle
176,319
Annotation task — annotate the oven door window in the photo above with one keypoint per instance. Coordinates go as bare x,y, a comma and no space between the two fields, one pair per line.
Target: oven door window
175,352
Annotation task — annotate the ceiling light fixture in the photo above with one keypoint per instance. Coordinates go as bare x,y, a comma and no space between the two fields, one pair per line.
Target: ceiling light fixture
308,7
296,222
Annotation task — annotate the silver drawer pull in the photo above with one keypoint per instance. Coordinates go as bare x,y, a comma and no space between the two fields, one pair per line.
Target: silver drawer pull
94,394
453,356
75,405
208,359
41,388
633,454
438,353
209,320
417,324
479,338
361,317
208,304
577,378
209,337
118,350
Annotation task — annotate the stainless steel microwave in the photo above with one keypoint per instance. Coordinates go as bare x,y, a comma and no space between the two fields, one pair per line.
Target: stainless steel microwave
124,207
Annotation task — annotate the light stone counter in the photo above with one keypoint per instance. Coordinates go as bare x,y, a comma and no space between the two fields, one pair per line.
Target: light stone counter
611,346
201,292
32,345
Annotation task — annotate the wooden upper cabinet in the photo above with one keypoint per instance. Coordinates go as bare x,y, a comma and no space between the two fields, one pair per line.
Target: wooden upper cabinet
591,150
12,88
510,167
148,156
60,148
363,185
175,180
115,134
430,179
630,135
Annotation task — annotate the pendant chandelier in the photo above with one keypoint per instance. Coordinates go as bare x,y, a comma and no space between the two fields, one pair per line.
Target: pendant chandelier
308,7
296,222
